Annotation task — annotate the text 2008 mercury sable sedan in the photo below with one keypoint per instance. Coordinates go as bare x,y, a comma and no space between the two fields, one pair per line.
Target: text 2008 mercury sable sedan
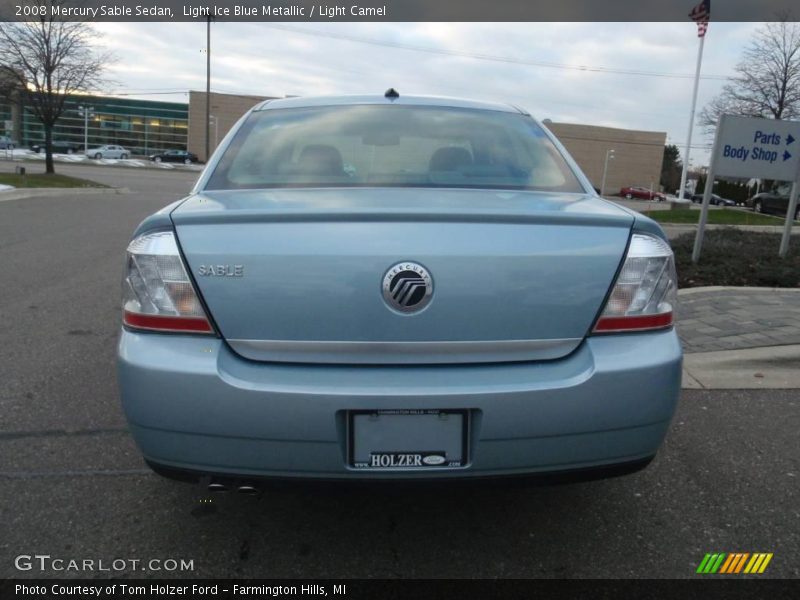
396,287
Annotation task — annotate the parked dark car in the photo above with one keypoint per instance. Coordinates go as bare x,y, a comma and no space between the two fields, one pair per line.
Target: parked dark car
774,203
59,147
715,200
643,193
179,156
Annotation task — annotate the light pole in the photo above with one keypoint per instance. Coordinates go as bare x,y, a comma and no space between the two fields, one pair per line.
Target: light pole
215,121
609,156
208,83
86,112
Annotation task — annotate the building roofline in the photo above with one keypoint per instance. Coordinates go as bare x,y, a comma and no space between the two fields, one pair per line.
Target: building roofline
607,129
213,93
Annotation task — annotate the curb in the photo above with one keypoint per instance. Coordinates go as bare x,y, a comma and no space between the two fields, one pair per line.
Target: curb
91,162
681,228
770,367
731,288
21,193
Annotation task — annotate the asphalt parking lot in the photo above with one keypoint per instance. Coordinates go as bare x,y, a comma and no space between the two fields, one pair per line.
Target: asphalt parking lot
73,484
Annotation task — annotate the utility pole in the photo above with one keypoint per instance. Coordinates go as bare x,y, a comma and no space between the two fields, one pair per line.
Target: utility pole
208,87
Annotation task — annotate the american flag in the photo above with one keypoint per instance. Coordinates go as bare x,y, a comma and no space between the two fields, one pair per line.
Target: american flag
700,14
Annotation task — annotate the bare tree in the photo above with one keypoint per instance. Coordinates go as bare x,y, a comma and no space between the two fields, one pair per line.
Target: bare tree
48,60
767,79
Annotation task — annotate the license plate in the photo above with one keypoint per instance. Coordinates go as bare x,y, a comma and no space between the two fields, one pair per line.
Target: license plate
407,439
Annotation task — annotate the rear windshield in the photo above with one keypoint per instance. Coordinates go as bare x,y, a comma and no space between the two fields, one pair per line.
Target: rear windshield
392,146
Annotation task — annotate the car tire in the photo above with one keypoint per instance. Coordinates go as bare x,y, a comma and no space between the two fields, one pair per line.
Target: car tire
187,161
97,156
157,159
70,150
628,196
757,207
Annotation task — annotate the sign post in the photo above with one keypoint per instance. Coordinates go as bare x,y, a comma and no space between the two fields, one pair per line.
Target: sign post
787,227
701,226
753,147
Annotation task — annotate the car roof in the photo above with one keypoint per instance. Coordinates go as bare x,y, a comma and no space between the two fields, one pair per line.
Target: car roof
315,101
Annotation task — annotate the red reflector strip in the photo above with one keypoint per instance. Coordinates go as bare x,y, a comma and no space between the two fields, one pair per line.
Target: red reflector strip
638,322
164,323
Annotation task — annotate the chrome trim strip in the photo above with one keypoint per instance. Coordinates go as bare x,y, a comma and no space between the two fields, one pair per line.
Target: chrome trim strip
403,352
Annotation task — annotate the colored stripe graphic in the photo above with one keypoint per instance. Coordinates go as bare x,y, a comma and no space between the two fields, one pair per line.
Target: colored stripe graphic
728,563
734,563
718,562
711,563
764,564
703,563
754,563
741,562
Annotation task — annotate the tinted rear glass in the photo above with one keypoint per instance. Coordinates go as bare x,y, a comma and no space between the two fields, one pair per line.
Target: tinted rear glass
392,146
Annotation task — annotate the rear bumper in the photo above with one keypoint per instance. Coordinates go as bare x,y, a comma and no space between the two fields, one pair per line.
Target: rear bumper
233,482
195,407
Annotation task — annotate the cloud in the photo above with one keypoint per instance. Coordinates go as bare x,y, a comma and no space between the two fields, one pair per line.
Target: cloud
328,58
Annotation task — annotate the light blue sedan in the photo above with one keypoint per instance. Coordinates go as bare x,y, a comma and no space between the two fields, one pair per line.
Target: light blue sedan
391,287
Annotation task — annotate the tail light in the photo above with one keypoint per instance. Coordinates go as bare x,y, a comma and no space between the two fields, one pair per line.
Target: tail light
157,293
646,291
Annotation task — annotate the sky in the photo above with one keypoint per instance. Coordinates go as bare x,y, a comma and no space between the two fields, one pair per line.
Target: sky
566,72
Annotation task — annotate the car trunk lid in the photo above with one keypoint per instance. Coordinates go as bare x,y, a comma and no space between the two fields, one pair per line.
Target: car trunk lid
296,275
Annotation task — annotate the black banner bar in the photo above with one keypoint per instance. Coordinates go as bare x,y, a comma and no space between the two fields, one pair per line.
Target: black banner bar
395,10
356,589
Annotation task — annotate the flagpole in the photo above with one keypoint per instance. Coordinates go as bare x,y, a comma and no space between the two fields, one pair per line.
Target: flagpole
691,119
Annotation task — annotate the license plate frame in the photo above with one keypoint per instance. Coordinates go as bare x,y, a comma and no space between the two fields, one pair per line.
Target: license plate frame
409,459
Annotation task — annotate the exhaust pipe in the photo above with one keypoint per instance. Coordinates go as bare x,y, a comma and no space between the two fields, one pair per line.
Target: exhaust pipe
217,486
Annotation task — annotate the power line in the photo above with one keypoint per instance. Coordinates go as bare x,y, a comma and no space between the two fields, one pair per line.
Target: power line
490,57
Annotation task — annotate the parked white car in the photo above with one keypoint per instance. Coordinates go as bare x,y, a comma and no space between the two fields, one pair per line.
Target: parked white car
108,151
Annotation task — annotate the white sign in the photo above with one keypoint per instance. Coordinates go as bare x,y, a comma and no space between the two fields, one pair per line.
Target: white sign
754,147
9,127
